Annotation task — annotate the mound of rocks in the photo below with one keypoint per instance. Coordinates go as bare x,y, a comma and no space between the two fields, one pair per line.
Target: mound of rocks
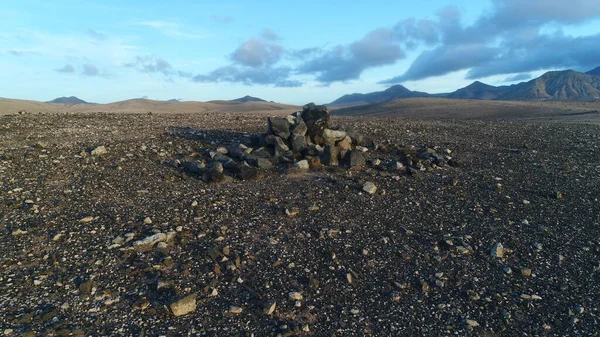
305,140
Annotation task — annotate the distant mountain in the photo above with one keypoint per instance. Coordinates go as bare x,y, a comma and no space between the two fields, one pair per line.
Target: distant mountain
248,99
389,94
479,90
595,71
173,100
68,100
566,85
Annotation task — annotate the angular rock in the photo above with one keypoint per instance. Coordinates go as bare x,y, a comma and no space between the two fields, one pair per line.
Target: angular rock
302,165
278,126
317,118
497,250
184,306
345,144
314,163
300,128
277,143
369,187
354,159
262,152
246,172
195,167
261,163
299,143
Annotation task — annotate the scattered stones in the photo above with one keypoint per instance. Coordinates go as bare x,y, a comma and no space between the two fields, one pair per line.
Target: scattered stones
184,306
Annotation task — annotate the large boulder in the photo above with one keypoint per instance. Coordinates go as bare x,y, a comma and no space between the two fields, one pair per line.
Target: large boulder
317,118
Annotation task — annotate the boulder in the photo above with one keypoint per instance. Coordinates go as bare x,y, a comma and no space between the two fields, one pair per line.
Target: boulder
246,172
261,163
317,118
278,126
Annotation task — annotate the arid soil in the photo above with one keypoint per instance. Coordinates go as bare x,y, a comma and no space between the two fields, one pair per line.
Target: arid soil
288,253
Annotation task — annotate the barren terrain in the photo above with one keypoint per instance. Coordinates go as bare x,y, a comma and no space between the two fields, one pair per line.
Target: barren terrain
293,253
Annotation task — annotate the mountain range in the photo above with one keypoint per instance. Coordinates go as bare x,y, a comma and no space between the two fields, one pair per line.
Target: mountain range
566,85
68,100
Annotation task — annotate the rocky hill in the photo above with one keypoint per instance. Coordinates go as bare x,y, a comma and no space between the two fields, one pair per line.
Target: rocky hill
390,94
567,85
595,71
248,98
68,100
479,90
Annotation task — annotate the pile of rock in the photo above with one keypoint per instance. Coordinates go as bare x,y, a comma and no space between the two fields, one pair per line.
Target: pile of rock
306,140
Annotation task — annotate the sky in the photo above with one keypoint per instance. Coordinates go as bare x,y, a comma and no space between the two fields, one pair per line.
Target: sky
289,52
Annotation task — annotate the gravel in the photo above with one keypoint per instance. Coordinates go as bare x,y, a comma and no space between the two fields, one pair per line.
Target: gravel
412,259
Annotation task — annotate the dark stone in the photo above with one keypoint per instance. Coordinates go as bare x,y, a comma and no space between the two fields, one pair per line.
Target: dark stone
354,159
262,153
261,163
277,142
330,156
246,172
454,163
299,143
317,118
194,167
278,126
227,162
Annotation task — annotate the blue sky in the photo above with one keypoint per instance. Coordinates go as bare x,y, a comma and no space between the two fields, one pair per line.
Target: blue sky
289,52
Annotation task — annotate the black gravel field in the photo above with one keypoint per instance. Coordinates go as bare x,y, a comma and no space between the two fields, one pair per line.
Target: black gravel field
506,244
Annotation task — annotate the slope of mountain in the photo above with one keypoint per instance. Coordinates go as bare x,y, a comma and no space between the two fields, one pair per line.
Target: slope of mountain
567,85
594,72
479,90
68,100
248,98
389,94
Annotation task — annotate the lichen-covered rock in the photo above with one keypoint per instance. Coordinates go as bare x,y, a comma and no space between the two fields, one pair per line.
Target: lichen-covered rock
317,118
278,126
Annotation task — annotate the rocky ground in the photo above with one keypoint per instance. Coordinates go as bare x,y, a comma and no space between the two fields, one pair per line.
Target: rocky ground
124,243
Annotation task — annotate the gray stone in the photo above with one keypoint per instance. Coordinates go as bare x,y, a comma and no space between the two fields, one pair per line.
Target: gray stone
334,134
299,143
277,143
262,152
279,126
354,159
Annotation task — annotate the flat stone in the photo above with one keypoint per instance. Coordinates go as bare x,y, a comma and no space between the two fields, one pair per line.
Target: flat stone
334,134
184,306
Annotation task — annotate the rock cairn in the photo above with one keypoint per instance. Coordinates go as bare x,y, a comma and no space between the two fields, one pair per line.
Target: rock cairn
306,140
